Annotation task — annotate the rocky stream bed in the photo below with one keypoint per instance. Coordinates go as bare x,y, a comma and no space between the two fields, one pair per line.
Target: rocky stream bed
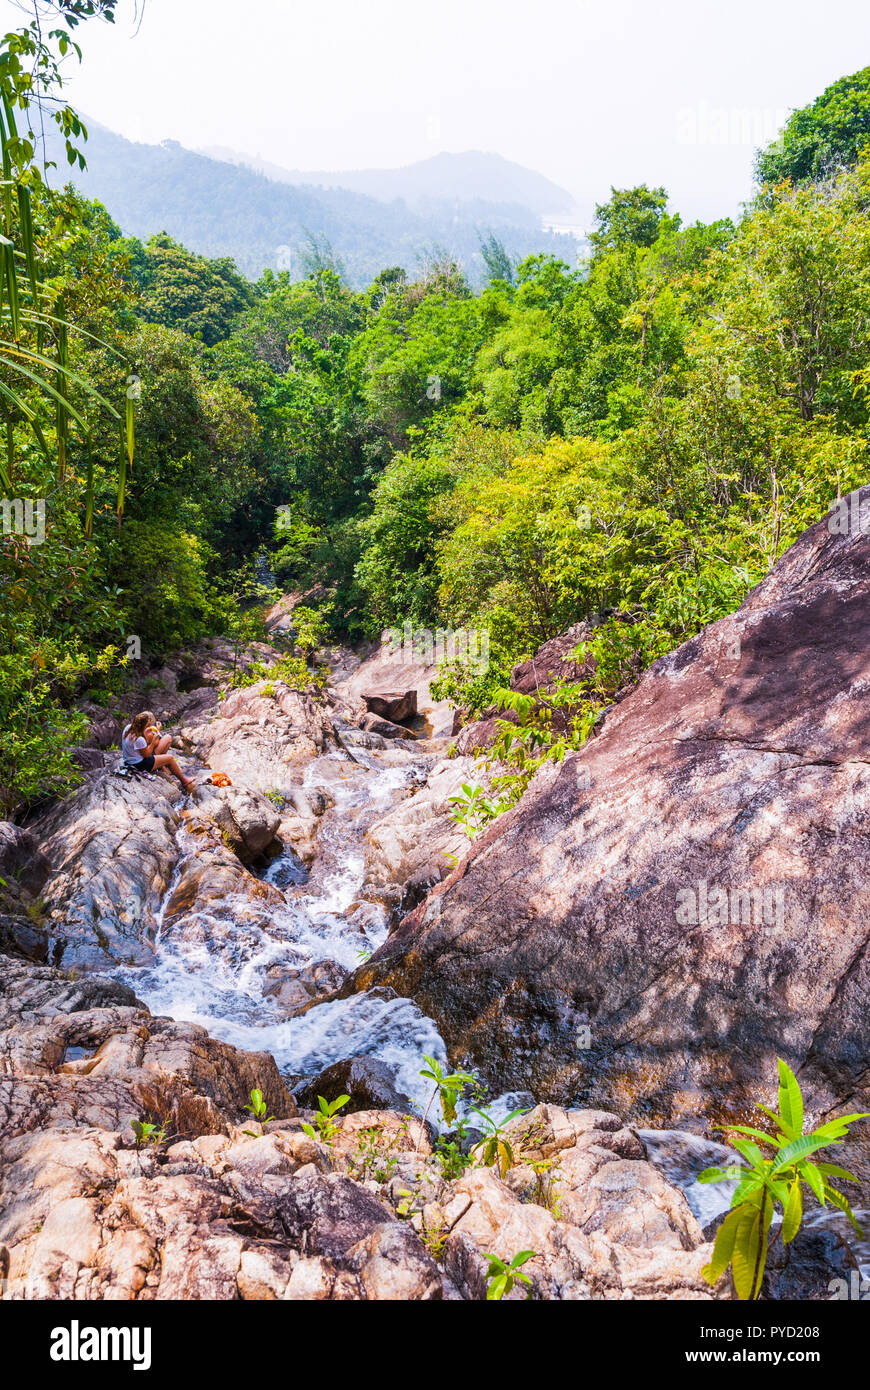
303,931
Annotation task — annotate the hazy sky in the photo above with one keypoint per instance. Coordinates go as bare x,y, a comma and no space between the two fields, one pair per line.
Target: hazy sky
618,92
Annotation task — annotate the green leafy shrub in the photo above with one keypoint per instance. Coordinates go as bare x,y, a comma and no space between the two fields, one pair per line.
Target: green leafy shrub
327,1127
502,1277
260,1111
169,599
449,1087
763,1183
495,1149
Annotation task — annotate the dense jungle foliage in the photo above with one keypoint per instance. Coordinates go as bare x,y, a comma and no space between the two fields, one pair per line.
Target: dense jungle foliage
631,442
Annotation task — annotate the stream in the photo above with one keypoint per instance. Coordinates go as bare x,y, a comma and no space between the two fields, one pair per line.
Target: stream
212,968
215,971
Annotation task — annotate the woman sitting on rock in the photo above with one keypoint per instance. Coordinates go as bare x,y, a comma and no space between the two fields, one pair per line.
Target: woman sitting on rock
144,747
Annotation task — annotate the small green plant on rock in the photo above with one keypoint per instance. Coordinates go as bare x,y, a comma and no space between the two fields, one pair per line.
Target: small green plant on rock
502,1277
146,1132
546,1171
762,1182
450,1155
495,1149
449,1087
434,1237
327,1127
371,1159
472,809
260,1111
412,1207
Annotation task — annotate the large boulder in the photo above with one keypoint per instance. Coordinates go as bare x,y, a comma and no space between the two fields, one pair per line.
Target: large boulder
373,724
22,863
246,820
370,1084
104,728
419,834
263,736
112,849
394,706
685,899
395,674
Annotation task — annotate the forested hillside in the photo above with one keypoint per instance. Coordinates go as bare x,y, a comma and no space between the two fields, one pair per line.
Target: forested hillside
220,208
632,442
486,181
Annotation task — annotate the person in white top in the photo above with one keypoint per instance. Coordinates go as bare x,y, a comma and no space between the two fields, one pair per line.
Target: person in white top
144,748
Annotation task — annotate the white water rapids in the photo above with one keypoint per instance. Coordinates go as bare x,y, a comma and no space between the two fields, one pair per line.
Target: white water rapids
213,970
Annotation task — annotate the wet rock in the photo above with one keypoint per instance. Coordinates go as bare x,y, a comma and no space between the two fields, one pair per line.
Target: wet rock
310,802
420,831
112,849
373,724
246,820
295,990
395,706
300,829
300,833
127,1063
237,1210
370,1084
211,879
416,888
817,1265
564,955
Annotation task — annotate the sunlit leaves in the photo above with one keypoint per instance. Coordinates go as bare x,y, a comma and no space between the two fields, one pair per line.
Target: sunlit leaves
763,1182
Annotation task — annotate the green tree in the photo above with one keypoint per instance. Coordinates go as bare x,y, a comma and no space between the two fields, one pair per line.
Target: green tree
823,138
201,297
631,216
499,264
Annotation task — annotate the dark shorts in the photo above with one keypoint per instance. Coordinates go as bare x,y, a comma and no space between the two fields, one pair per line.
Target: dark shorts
144,764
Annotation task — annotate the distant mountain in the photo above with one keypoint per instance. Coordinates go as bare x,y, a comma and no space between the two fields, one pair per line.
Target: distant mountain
469,177
219,208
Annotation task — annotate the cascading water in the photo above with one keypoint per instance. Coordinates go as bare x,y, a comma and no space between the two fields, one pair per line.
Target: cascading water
212,967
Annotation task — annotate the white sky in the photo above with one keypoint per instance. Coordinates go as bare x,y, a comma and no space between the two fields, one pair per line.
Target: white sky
588,92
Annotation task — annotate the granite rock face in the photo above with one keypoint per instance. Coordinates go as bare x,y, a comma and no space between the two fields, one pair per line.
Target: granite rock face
111,846
685,898
260,739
